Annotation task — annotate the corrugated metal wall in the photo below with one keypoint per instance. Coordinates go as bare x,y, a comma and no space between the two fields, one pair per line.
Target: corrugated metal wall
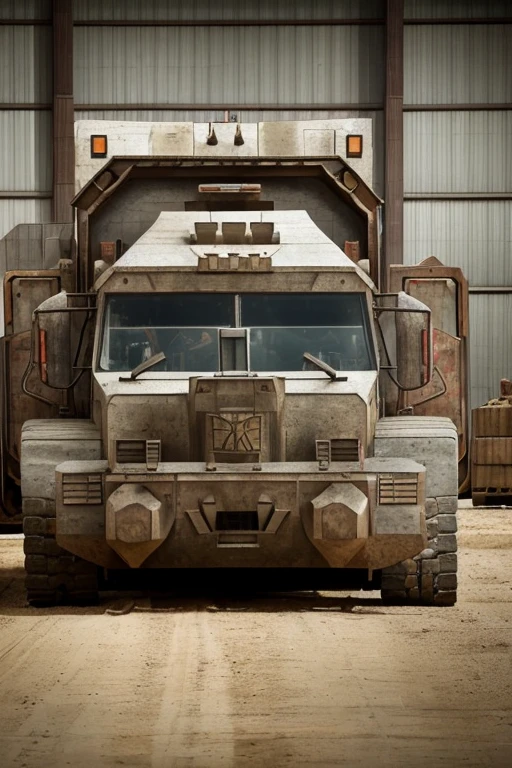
23,211
490,337
205,115
25,151
473,235
229,65
227,10
458,166
458,152
463,9
26,134
25,9
434,73
275,65
30,80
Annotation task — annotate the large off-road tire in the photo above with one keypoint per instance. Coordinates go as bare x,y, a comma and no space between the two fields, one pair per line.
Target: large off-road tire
430,577
54,576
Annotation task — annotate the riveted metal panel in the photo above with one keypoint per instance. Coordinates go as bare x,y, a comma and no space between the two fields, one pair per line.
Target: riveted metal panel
13,212
458,152
25,64
28,9
458,64
25,151
232,65
473,235
230,10
490,344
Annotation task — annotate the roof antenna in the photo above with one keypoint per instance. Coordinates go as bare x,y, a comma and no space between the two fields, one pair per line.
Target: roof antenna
212,139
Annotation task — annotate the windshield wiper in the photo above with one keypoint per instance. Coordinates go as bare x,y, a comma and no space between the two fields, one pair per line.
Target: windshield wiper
325,367
144,366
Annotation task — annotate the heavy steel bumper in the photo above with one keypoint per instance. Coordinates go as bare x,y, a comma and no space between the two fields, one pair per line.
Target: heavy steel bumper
269,515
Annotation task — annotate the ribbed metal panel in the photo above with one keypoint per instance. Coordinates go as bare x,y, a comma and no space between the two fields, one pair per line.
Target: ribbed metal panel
25,151
230,10
82,489
231,65
25,64
205,116
457,152
25,9
490,319
131,451
465,9
458,64
153,115
13,212
473,235
398,489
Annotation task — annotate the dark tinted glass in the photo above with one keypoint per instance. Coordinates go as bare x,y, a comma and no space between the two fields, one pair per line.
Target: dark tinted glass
175,309
302,309
331,327
182,326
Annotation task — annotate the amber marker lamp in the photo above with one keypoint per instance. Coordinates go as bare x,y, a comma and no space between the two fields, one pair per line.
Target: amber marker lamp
98,145
354,145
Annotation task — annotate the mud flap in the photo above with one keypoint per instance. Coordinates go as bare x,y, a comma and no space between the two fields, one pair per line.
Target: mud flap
445,291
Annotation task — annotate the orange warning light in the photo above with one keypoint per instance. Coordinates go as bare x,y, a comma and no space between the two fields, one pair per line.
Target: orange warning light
98,146
354,145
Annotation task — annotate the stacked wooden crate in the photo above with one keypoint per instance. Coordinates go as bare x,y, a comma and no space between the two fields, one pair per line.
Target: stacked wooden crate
491,450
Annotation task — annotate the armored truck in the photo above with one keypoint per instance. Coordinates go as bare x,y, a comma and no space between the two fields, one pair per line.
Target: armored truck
233,367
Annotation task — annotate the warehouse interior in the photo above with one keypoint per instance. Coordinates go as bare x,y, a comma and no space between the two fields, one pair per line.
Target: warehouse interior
235,670
433,77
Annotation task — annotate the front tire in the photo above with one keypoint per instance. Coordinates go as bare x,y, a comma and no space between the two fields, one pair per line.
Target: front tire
53,575
430,578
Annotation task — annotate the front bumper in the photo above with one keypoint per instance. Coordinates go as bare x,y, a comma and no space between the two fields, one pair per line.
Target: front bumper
185,515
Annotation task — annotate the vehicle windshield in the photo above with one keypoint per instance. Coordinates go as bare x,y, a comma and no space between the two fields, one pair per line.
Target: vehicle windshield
274,331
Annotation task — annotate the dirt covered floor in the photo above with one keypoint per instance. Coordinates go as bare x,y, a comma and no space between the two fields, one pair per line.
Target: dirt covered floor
306,680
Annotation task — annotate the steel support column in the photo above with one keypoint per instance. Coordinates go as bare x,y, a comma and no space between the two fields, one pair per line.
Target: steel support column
393,251
63,111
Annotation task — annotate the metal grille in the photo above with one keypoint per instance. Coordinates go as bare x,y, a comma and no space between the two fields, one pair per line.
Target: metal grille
398,489
153,451
345,449
323,450
131,451
82,489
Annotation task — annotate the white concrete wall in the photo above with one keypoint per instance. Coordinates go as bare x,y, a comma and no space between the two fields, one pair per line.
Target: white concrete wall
292,138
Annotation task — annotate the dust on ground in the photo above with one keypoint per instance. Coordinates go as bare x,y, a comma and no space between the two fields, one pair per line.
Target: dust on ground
309,679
